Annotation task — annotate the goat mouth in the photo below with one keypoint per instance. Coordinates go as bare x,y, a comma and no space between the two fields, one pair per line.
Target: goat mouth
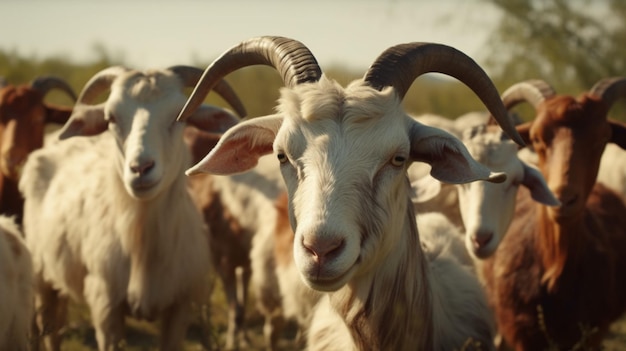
328,284
143,185
483,252
141,188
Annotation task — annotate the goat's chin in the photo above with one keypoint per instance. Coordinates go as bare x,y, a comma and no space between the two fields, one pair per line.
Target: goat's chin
328,284
143,190
483,252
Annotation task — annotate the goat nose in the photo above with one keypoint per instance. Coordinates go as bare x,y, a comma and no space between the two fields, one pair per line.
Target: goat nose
481,238
323,249
142,167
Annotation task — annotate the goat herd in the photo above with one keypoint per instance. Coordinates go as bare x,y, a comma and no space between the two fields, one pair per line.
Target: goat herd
372,229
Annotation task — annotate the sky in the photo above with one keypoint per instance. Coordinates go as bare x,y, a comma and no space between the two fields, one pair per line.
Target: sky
161,33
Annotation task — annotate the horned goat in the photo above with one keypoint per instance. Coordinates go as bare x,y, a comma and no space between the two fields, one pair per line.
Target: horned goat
431,195
344,154
16,288
557,278
23,118
487,208
99,217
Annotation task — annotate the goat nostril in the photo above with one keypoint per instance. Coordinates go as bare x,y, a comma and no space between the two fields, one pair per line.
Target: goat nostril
324,249
481,239
142,168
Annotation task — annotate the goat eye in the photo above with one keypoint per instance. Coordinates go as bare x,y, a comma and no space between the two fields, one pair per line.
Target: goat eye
282,158
112,118
398,161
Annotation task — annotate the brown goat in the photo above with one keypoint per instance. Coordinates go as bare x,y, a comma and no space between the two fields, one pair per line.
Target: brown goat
23,117
557,278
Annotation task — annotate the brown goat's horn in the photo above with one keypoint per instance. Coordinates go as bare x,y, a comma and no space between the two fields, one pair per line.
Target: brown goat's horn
400,65
295,63
191,75
610,89
100,82
533,91
45,84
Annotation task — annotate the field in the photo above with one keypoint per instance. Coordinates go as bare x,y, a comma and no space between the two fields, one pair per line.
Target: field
207,333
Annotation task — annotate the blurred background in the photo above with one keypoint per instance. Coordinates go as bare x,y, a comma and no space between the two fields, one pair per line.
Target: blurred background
569,43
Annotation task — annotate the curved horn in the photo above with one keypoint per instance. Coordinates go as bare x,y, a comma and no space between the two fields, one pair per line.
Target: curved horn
191,75
533,91
295,63
44,84
100,82
400,65
610,89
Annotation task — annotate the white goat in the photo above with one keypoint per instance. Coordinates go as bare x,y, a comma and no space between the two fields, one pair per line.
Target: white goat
344,154
487,208
16,288
431,195
108,218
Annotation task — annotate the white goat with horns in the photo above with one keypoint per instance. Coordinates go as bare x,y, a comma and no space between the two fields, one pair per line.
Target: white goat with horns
98,214
344,154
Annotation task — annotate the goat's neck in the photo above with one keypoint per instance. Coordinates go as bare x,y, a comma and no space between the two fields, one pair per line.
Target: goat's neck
556,241
389,308
145,231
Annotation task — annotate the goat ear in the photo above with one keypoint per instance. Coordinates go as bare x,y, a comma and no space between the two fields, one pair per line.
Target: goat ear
240,148
86,120
536,183
618,133
58,114
212,119
448,157
424,189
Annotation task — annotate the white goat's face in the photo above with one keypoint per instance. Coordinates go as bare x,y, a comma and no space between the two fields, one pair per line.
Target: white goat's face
344,162
344,154
487,208
141,112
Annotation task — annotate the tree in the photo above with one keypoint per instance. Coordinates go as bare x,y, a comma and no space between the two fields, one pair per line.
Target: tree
570,44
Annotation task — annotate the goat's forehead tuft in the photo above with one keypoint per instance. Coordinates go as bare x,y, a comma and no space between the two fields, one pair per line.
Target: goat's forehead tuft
326,99
567,110
148,85
489,147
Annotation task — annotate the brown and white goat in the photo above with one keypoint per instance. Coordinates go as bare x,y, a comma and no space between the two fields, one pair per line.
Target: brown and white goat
557,279
23,118
344,154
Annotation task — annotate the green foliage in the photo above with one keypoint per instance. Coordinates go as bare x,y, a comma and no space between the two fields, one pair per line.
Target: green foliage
569,44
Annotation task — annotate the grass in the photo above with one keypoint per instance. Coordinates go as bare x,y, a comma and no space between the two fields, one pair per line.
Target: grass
208,329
